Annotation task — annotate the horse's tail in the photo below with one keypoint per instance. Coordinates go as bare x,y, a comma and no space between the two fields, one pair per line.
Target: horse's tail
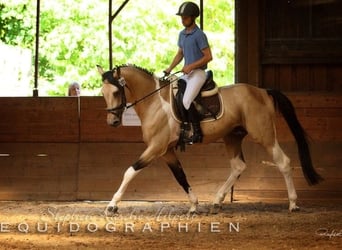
284,105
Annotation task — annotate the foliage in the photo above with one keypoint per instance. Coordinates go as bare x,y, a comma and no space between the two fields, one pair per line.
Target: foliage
74,38
14,27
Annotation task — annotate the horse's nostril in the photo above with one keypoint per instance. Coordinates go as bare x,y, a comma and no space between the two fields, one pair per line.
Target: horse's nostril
116,123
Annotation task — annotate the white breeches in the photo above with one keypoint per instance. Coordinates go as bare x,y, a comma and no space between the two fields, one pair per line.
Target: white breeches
194,82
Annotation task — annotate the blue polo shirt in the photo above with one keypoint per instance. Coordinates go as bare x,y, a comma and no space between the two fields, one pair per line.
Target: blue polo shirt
192,43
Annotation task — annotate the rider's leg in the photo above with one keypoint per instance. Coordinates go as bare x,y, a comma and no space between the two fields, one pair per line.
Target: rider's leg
195,81
194,118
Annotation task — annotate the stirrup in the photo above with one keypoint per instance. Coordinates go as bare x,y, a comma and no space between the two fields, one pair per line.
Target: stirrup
184,136
196,138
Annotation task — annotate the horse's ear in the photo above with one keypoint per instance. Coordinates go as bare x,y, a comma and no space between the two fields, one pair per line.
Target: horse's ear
100,69
116,72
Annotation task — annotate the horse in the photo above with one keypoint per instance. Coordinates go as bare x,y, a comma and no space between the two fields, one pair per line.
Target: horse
244,106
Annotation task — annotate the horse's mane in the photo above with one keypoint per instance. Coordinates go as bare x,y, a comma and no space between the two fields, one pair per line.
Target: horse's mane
136,67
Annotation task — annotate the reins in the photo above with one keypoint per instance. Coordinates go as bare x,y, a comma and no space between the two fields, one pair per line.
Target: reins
164,78
124,106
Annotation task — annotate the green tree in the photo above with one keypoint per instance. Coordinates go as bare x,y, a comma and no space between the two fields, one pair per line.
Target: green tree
74,38
15,29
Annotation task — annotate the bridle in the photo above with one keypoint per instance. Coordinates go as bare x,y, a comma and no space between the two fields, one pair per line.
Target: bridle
120,83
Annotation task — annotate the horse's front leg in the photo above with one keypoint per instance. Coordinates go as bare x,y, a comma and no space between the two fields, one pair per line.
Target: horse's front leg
129,175
148,155
177,170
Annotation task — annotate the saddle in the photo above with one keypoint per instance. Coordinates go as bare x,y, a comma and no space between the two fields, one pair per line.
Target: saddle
208,104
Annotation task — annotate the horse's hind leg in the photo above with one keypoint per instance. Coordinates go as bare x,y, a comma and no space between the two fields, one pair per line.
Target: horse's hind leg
237,165
265,134
177,170
283,163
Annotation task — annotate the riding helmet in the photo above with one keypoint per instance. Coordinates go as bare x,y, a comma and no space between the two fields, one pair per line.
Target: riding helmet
188,9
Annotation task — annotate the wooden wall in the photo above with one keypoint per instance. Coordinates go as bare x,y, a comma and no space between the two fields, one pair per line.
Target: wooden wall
39,147
50,151
302,77
293,46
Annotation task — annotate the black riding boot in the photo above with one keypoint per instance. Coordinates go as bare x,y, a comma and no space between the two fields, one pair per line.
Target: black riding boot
194,118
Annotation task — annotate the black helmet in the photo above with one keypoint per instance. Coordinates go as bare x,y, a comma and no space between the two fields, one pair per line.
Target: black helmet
188,9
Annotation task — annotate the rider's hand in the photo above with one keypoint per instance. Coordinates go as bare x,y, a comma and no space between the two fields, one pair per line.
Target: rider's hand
166,72
186,69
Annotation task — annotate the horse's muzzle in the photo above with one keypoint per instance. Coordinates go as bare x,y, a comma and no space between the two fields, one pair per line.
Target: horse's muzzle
113,120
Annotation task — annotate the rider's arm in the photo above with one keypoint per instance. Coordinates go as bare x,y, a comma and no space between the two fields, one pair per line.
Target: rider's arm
207,57
176,60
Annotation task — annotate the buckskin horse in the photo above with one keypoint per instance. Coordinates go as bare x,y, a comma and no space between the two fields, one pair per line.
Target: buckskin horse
243,106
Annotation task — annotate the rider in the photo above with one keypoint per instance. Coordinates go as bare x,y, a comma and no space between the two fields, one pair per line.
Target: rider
193,46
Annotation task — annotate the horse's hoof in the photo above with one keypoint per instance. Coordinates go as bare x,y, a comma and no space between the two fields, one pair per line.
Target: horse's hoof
294,209
215,209
111,210
192,212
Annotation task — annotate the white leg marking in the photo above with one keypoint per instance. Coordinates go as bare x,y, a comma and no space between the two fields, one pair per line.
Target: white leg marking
193,201
128,176
237,167
283,163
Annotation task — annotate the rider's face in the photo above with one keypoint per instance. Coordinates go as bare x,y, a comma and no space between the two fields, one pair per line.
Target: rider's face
187,21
